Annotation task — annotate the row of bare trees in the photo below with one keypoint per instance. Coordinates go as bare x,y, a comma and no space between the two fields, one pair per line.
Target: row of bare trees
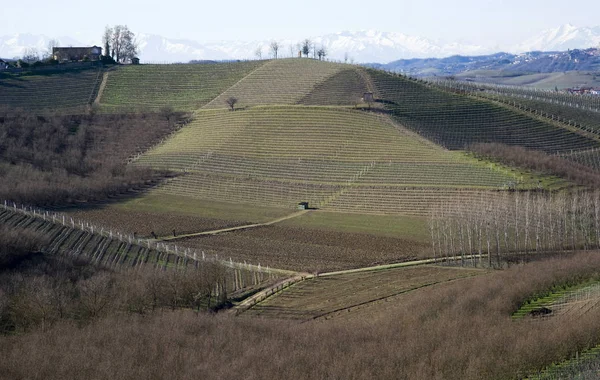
516,223
306,48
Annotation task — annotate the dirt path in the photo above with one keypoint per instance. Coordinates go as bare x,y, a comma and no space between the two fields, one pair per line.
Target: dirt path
244,227
101,89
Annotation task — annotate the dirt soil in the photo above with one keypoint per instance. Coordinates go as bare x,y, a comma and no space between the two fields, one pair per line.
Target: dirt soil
308,250
143,222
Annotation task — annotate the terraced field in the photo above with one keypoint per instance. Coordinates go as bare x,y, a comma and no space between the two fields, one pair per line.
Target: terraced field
455,120
40,91
183,87
279,156
331,296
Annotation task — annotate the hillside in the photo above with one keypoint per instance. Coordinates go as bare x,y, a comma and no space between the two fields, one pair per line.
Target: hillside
283,81
457,120
282,155
415,242
50,90
183,87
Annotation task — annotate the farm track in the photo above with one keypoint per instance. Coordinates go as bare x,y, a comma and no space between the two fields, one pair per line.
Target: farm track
101,89
230,229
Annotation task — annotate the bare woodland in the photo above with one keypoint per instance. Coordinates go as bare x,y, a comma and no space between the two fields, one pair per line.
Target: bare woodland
516,223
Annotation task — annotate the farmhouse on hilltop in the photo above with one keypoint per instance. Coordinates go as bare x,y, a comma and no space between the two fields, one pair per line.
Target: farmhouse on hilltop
62,54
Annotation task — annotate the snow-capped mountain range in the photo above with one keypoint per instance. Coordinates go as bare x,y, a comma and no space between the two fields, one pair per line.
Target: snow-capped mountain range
361,46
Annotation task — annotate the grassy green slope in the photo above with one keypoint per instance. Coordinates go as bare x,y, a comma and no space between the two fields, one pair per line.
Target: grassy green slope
183,87
57,90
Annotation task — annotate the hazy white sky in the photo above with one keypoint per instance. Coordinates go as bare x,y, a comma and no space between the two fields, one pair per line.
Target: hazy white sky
476,21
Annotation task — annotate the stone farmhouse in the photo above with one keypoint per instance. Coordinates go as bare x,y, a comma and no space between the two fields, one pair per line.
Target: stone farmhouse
63,54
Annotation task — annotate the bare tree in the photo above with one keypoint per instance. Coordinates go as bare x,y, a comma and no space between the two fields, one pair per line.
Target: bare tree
231,102
274,48
322,53
306,45
121,41
31,55
50,46
258,52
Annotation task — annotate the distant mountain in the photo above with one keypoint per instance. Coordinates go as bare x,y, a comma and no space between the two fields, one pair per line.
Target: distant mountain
564,37
361,46
364,46
14,46
531,62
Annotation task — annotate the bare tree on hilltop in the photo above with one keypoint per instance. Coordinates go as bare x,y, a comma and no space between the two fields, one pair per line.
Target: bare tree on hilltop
322,53
274,48
306,45
119,43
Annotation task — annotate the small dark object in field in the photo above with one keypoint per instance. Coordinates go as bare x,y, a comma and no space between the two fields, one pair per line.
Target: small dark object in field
174,234
540,312
153,235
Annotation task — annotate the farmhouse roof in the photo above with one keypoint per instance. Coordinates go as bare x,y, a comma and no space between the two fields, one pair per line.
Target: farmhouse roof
76,47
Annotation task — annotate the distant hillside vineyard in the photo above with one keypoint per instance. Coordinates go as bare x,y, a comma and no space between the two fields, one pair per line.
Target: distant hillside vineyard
300,131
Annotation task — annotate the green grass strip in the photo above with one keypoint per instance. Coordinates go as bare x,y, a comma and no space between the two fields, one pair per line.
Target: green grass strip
550,297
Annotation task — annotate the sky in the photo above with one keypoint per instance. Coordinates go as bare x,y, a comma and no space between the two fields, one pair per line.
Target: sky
484,22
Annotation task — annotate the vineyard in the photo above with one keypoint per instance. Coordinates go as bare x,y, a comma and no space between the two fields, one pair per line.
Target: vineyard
109,248
397,196
283,81
458,120
279,156
182,87
44,91
326,297
576,111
